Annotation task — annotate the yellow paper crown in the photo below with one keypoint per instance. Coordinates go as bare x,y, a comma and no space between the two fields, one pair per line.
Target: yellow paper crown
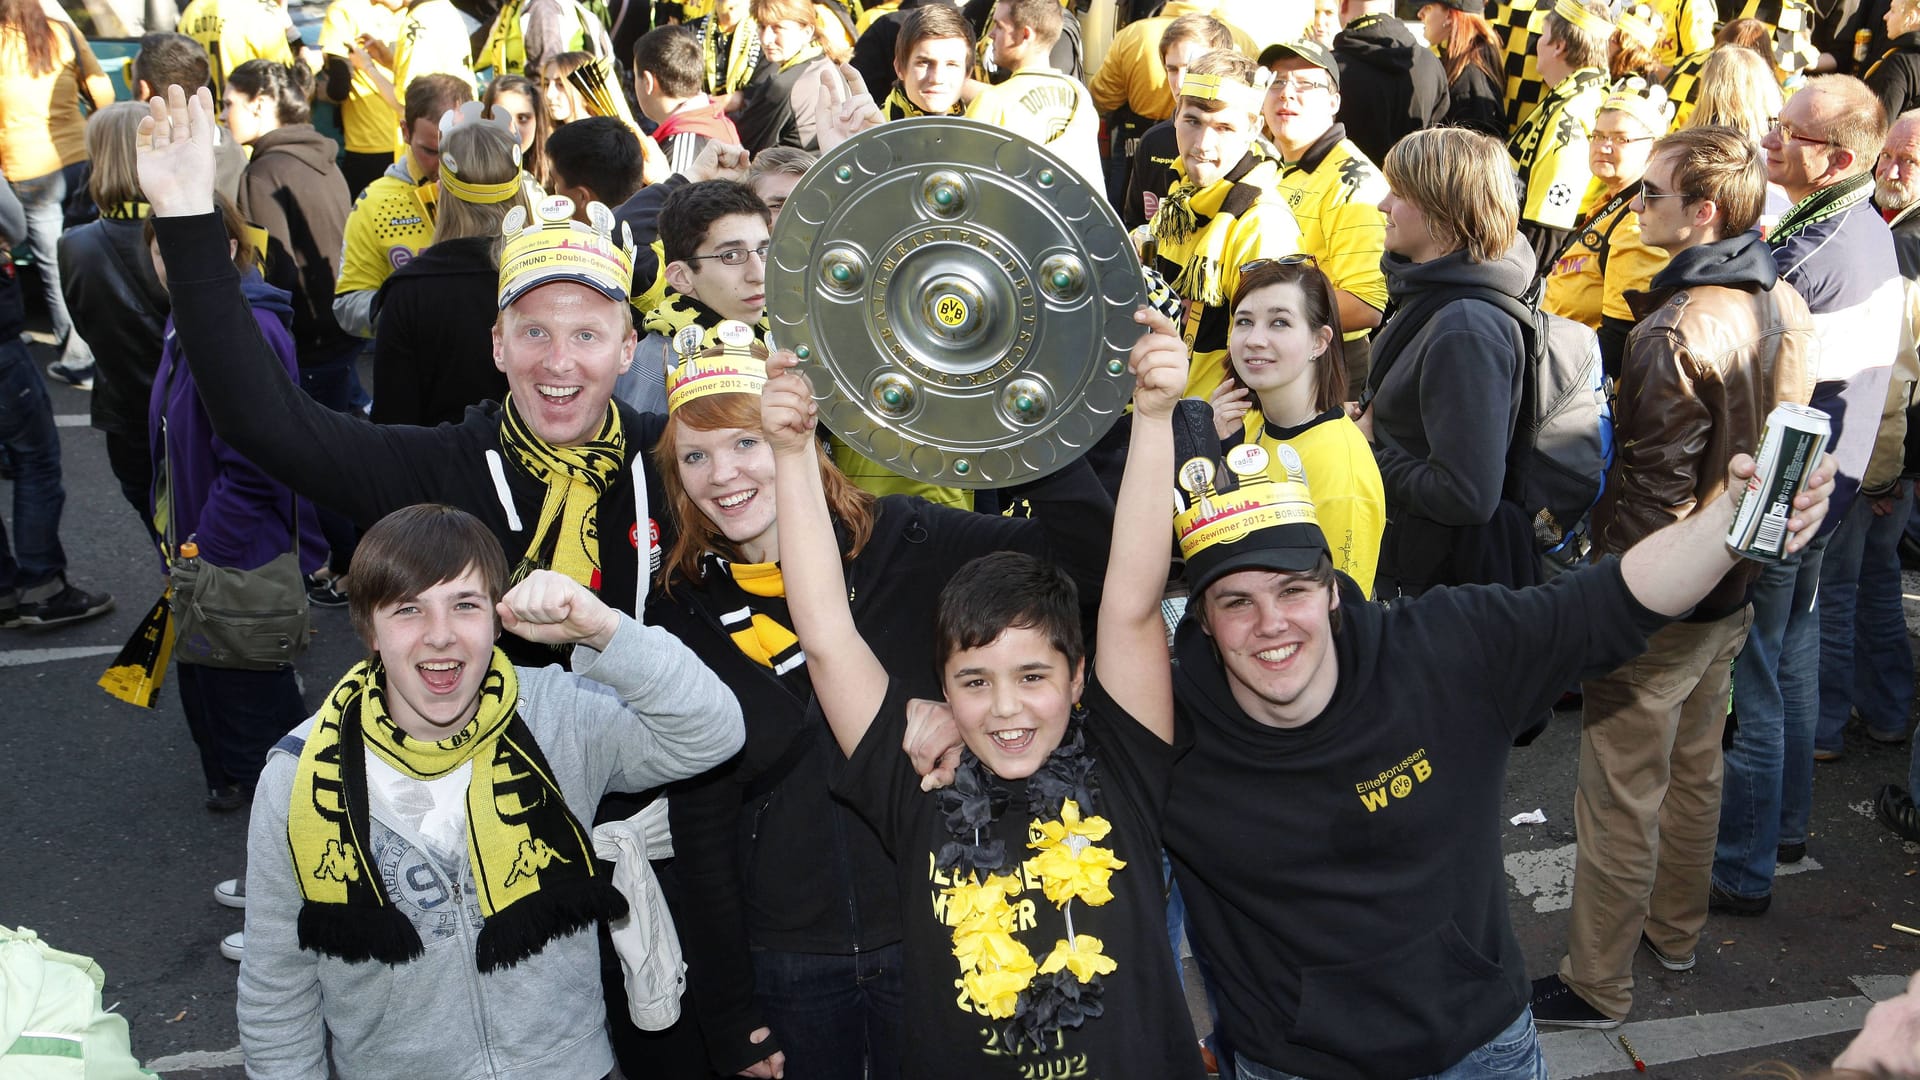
1227,89
1259,502
472,112
549,246
1645,102
1640,24
1584,18
734,364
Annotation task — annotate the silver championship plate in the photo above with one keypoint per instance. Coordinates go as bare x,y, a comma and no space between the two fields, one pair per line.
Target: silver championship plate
961,299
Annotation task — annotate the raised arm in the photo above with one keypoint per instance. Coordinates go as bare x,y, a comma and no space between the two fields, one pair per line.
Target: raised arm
1131,657
1673,569
848,680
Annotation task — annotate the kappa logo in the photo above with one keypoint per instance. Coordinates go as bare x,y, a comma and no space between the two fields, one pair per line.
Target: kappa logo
533,857
337,863
1396,783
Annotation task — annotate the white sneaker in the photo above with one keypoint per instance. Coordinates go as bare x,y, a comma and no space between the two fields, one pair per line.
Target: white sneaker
231,893
234,945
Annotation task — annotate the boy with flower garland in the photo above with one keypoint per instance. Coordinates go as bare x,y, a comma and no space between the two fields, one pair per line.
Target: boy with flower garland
1034,909
422,838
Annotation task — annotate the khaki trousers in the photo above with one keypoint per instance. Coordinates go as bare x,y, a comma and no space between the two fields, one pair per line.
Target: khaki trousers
1646,810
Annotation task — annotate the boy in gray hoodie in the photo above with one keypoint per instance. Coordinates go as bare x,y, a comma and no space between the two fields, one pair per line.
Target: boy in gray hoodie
421,887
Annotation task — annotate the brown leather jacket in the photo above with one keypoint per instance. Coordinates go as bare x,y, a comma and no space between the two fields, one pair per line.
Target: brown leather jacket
1704,366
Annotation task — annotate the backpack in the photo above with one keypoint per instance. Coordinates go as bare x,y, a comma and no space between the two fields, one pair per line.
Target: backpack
1563,440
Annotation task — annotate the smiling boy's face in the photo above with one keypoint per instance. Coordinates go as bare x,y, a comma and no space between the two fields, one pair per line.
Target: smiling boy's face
1011,699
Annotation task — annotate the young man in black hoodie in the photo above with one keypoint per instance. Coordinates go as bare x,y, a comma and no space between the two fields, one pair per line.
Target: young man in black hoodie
1721,339
1358,926
1390,83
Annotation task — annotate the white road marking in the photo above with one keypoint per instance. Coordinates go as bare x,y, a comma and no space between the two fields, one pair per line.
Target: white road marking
1880,987
72,420
24,657
197,1059
1585,1053
1547,875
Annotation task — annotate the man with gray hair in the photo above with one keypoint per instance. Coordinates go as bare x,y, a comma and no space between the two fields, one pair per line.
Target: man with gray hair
1837,252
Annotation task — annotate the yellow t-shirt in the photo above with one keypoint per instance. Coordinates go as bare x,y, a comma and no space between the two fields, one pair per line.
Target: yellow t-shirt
1336,201
236,31
1052,110
432,41
41,128
1576,288
1132,74
390,224
1550,149
369,122
1348,496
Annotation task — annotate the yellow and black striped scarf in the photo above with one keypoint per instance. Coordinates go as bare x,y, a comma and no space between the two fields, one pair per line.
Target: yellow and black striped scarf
899,106
1193,225
533,866
743,54
675,312
752,600
567,537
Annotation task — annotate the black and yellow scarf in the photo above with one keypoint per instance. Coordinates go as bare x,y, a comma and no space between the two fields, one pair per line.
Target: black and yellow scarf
675,312
532,861
752,600
899,106
131,210
1193,225
743,54
567,538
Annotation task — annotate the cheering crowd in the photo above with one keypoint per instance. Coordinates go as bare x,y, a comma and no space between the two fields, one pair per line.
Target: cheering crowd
689,742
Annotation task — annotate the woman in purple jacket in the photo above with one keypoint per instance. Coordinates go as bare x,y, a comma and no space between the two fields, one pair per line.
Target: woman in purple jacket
205,492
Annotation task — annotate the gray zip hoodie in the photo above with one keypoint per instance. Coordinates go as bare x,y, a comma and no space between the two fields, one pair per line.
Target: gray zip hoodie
641,714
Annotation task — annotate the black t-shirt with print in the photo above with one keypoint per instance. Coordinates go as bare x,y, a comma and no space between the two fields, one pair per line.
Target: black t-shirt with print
1144,1031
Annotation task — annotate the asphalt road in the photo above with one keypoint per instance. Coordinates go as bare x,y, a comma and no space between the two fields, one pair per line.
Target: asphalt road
111,853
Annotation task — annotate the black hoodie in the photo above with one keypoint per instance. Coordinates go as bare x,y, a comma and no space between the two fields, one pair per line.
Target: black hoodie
1344,876
1389,84
1895,76
1738,262
432,356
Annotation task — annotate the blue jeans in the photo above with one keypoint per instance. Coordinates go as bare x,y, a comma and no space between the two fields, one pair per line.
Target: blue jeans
1514,1054
26,430
44,200
1767,794
1865,662
236,717
1176,929
834,1016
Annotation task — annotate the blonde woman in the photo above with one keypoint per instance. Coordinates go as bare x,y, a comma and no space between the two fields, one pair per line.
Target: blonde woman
1738,89
430,367
777,107
1444,389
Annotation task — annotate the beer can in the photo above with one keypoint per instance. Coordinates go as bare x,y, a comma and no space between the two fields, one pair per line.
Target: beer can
1790,447
1861,39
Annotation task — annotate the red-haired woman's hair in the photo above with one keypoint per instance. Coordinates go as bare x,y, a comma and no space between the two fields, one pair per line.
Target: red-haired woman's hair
1471,40
851,507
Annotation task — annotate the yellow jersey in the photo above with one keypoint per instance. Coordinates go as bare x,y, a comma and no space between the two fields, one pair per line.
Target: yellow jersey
1051,109
236,31
1348,495
1334,193
432,41
1607,258
369,123
390,224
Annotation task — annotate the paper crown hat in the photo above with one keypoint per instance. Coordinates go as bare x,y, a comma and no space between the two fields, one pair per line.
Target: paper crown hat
1250,511
466,189
549,246
733,363
1644,101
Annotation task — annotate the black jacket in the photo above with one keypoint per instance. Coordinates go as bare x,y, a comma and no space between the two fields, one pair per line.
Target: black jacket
1390,84
120,309
433,347
365,471
1477,102
1906,248
764,856
294,191
1895,77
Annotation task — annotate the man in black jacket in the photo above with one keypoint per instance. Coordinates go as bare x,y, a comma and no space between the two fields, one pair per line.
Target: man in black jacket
1361,921
1390,83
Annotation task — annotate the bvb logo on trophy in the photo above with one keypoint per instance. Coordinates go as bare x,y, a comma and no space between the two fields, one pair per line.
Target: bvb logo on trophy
962,300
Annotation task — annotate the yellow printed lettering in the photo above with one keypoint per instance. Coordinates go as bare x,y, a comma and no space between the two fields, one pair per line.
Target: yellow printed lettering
1373,800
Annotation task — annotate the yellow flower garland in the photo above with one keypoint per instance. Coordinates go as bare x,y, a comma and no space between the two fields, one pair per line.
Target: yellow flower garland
995,967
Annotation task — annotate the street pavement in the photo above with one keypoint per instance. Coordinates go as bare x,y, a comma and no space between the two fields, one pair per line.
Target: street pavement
111,853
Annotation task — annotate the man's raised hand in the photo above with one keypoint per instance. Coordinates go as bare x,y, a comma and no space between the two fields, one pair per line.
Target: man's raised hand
719,161
173,153
844,108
